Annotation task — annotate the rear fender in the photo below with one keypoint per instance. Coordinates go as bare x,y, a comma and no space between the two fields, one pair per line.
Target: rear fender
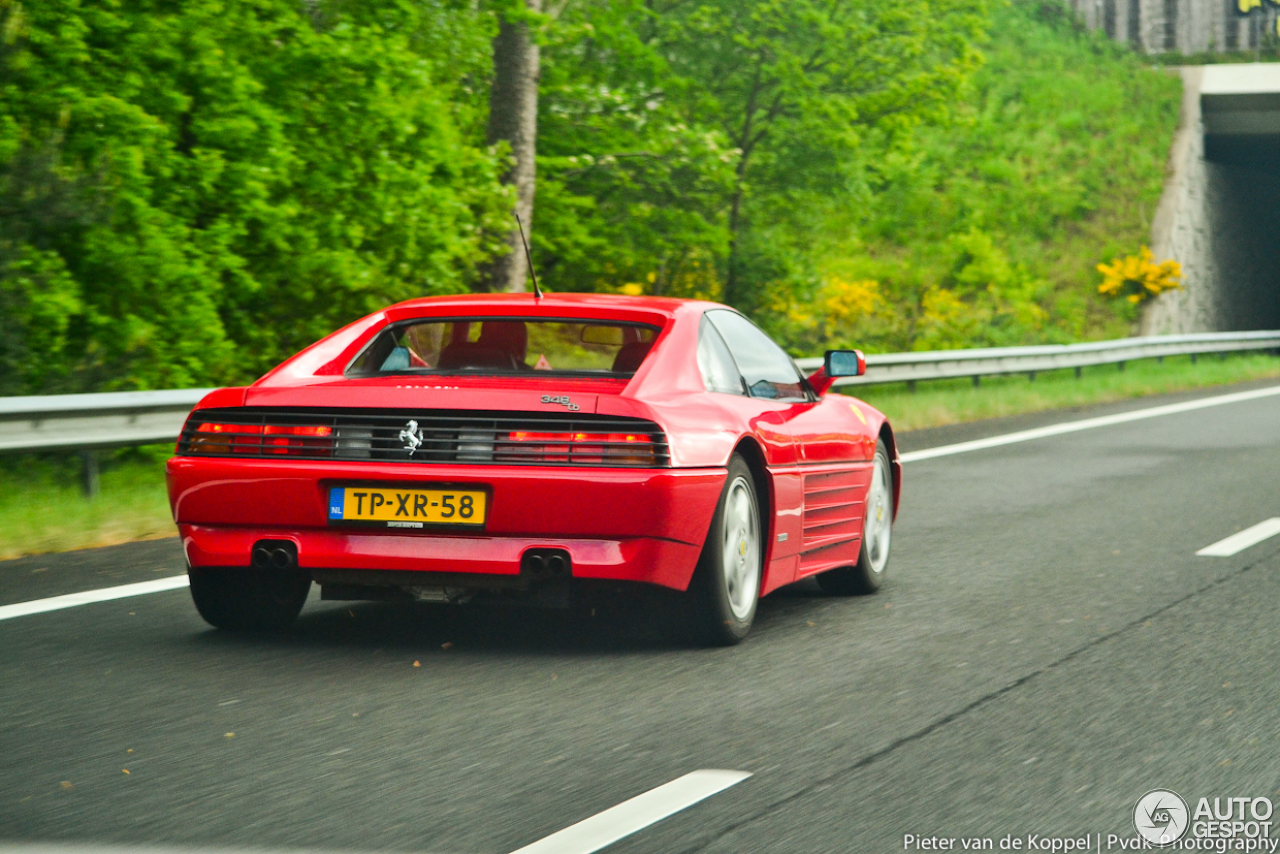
782,572
895,463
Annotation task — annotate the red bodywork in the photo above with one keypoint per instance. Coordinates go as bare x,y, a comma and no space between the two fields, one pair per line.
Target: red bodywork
812,462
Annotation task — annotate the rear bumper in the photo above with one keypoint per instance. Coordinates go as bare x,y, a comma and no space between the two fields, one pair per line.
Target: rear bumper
647,559
616,524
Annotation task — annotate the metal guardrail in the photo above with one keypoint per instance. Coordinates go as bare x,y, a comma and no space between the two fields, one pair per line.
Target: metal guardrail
88,422
951,364
91,421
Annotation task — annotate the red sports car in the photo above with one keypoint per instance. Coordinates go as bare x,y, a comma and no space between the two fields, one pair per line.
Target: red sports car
515,446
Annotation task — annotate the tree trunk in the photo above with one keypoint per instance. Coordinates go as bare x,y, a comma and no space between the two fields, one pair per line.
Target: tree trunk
732,283
513,116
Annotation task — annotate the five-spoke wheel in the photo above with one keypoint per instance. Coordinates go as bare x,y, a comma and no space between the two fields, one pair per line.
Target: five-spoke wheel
726,586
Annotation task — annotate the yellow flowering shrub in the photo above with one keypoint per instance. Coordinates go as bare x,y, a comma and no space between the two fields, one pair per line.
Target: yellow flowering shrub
1138,277
694,277
838,305
846,302
947,322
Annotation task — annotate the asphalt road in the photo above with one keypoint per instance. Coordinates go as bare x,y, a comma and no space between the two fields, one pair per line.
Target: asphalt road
1047,649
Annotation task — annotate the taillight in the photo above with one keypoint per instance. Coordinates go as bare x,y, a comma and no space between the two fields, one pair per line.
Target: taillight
582,448
214,438
228,428
296,437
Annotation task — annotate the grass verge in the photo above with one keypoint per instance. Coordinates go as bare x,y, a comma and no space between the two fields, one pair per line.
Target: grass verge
42,508
942,402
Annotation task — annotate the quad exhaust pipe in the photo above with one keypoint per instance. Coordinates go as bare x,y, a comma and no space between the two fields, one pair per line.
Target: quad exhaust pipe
542,564
275,555
535,565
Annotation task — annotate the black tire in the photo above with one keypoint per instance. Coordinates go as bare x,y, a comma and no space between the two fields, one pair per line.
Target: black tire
867,576
249,600
722,602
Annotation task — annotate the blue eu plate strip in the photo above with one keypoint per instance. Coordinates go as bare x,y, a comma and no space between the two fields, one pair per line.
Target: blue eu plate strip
336,500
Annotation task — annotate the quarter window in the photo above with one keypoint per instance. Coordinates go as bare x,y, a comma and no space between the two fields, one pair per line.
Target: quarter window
719,373
765,367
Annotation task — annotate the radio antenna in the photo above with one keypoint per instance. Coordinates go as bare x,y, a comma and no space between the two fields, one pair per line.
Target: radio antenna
537,291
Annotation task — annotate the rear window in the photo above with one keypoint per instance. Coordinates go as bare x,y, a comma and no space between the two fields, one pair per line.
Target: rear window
507,346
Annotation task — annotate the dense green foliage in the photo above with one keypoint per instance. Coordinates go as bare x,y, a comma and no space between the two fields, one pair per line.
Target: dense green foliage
700,148
191,191
986,231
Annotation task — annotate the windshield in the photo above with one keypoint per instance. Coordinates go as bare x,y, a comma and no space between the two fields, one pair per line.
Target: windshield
508,346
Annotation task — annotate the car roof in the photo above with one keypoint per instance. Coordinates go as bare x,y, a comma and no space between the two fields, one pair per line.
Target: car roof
613,306
330,356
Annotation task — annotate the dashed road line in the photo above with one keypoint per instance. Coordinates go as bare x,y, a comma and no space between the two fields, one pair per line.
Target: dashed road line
1237,543
585,837
88,597
626,818
919,735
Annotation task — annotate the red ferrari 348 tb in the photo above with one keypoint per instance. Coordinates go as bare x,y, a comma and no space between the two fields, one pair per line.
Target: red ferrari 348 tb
508,445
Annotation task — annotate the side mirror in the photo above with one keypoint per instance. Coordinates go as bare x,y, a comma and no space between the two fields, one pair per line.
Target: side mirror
836,364
844,363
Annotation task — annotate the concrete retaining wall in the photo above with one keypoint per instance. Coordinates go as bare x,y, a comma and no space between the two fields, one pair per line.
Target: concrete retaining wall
1185,26
1181,228
1220,198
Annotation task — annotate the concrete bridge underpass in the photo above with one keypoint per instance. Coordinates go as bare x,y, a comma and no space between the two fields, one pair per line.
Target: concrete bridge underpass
1221,204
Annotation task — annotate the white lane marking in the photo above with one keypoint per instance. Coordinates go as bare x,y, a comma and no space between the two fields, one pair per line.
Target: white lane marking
1237,543
1088,424
106,594
626,818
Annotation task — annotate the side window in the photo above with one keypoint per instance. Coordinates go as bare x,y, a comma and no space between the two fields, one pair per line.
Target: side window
766,368
719,373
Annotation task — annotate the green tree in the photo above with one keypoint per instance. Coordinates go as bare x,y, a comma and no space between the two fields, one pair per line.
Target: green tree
725,131
513,122
987,230
226,181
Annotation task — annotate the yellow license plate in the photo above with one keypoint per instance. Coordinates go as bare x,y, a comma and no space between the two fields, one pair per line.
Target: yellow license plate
406,508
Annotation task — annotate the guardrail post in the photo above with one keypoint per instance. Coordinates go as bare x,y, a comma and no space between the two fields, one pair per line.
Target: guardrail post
977,381
1120,365
1193,358
90,471
1079,372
